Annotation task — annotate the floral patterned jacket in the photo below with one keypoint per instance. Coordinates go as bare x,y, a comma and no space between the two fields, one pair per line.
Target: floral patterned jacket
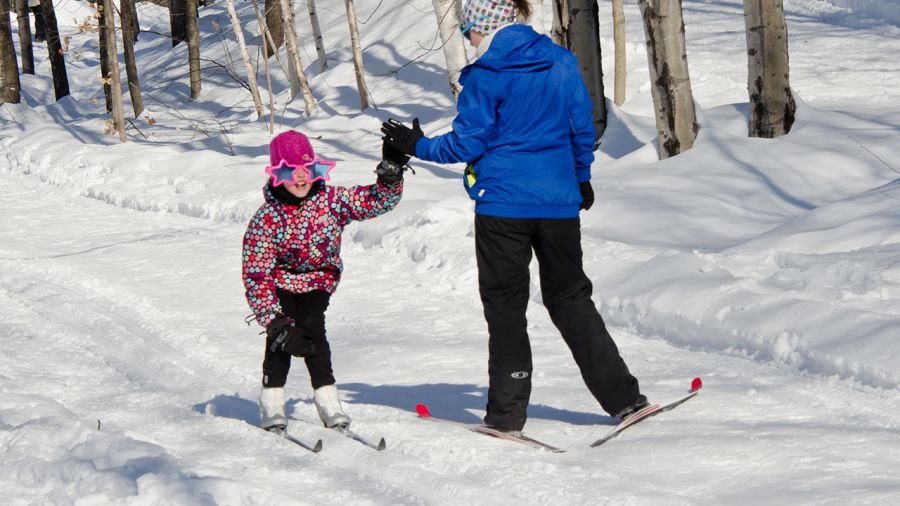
297,248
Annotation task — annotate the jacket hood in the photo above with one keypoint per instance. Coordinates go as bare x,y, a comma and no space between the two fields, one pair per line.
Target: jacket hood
518,48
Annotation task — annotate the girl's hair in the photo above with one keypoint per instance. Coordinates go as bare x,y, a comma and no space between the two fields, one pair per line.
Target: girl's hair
523,8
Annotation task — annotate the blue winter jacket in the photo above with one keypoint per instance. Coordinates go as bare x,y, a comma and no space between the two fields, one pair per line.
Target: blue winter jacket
524,124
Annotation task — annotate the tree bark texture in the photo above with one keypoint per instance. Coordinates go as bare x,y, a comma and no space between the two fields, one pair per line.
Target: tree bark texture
9,66
294,51
618,10
193,41
560,29
275,25
264,34
178,20
25,37
317,34
772,106
448,16
57,61
128,16
357,56
251,73
584,40
104,54
116,83
673,101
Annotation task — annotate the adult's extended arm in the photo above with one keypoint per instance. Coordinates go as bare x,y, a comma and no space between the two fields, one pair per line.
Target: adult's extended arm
472,127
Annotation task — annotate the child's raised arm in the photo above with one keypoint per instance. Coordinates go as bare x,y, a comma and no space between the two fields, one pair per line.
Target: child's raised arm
358,203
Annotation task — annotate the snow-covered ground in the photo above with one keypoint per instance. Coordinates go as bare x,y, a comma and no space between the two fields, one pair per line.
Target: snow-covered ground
771,268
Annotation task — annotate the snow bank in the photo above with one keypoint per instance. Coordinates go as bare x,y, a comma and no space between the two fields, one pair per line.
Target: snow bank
879,10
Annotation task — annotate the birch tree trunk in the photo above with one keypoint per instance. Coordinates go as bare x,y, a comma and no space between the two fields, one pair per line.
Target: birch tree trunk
673,100
178,20
264,34
560,29
448,15
115,81
290,34
618,10
772,106
251,73
9,66
357,56
275,26
57,62
128,17
584,41
294,68
25,37
193,40
317,34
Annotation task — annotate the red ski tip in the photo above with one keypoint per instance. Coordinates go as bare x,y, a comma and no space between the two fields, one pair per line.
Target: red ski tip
422,410
697,384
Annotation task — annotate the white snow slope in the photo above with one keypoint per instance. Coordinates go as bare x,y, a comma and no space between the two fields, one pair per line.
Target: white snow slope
770,268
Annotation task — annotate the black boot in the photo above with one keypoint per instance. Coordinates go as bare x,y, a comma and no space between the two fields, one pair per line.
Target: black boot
634,408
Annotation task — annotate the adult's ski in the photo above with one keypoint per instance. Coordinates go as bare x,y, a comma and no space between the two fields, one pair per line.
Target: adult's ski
314,447
649,411
425,414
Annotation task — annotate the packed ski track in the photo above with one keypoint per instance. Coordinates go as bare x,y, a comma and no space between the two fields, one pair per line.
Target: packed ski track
129,352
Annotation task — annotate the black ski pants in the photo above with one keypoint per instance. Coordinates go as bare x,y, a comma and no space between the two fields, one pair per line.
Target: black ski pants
503,249
308,312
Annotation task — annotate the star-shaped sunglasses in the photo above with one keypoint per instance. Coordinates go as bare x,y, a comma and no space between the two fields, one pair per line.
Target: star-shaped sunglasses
286,172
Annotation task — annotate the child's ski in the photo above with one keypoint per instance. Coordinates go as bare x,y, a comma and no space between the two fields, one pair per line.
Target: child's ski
424,414
649,411
345,431
342,429
315,448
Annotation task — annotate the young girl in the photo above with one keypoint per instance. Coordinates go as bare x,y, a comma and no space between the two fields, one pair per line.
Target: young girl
292,265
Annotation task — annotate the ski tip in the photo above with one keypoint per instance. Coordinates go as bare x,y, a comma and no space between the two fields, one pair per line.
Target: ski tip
318,447
422,410
381,445
696,384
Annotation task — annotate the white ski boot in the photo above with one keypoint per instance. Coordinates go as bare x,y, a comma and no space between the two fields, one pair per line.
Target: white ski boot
271,410
328,404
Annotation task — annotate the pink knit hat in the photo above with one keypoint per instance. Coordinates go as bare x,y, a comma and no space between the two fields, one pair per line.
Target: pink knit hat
488,15
290,154
292,147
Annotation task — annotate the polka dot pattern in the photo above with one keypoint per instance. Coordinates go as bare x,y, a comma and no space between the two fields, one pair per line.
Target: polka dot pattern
298,247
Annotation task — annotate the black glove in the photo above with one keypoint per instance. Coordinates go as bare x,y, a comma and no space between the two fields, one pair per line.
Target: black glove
587,195
393,161
389,173
401,136
283,335
393,154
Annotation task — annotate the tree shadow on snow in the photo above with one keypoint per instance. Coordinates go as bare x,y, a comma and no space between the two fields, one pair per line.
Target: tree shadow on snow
444,400
455,402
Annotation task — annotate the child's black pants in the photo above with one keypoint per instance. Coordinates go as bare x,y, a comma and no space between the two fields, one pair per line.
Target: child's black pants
308,312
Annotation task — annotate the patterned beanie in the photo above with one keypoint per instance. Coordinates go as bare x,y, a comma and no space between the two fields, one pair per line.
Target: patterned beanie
292,147
489,15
